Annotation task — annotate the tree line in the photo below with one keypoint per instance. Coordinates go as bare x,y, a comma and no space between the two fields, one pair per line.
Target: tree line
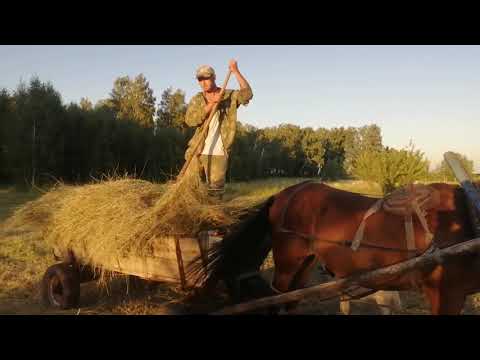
44,140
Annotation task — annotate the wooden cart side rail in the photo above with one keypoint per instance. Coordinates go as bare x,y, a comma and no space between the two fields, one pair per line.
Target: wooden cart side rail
167,262
338,287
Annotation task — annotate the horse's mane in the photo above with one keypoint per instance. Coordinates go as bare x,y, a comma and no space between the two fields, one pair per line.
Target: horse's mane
221,256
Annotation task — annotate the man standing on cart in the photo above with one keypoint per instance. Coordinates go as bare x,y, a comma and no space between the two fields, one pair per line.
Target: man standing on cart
222,127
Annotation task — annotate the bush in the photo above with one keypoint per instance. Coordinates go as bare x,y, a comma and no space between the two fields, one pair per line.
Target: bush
391,168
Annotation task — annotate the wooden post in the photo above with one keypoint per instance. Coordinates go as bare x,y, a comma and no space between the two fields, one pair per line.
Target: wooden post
463,178
473,195
181,269
203,245
333,289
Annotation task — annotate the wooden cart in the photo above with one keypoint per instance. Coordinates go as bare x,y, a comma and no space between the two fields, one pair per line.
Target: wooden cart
170,256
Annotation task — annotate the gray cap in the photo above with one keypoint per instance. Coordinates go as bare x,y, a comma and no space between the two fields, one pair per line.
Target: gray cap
205,71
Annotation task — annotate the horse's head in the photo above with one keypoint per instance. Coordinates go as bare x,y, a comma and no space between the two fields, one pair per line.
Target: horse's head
449,219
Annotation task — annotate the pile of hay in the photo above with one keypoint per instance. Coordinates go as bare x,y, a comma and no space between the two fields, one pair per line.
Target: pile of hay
38,213
123,217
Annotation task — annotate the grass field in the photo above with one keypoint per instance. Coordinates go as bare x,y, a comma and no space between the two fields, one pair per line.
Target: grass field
24,258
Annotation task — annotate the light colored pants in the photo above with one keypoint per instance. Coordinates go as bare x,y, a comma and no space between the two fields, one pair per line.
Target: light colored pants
215,169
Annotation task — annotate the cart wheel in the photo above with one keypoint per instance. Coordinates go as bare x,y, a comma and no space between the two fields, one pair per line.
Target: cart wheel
87,273
61,286
138,286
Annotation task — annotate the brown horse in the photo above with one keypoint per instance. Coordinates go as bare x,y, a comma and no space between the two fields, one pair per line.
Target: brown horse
311,223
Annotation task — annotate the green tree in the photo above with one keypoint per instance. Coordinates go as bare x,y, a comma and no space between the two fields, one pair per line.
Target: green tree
313,146
282,149
103,104
36,144
5,122
370,138
334,154
133,100
391,168
167,153
172,109
357,141
245,157
352,148
86,104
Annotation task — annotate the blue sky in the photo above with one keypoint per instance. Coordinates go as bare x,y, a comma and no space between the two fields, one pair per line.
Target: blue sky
425,94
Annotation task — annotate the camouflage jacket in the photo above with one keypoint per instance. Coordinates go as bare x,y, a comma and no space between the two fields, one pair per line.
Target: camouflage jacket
228,106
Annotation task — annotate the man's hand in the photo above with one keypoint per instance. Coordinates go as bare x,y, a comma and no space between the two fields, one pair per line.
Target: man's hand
233,66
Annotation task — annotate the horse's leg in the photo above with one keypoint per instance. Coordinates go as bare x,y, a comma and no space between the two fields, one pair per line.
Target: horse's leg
344,306
301,278
388,301
451,302
294,260
444,301
280,284
445,295
288,278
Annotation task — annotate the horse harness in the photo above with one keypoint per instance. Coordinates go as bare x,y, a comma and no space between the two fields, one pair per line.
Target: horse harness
408,201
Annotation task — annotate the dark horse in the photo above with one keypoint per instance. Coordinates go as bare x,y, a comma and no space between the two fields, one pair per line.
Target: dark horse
311,223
